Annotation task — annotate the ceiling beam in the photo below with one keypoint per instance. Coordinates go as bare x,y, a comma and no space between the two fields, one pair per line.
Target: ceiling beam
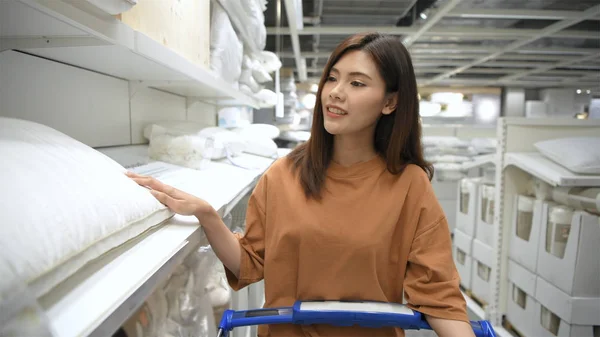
291,12
439,14
542,69
461,52
493,82
516,14
470,32
549,30
499,71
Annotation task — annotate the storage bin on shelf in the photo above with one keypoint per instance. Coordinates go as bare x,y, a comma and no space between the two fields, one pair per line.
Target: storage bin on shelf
462,251
562,315
485,214
466,215
181,25
482,271
568,251
526,230
522,304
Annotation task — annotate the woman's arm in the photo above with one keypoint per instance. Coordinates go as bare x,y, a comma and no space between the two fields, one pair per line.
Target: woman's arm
224,243
450,328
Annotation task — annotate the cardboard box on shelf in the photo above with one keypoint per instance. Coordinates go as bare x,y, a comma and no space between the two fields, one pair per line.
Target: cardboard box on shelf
462,251
526,231
482,271
521,306
484,230
568,250
559,314
466,210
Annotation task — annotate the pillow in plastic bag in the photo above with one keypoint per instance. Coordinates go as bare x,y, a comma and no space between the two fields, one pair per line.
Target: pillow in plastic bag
181,127
449,159
269,61
226,49
449,171
267,98
485,145
259,130
247,79
226,142
247,15
259,73
444,141
578,154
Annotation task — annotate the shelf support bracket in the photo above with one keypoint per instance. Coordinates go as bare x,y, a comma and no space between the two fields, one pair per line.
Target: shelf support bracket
191,101
134,87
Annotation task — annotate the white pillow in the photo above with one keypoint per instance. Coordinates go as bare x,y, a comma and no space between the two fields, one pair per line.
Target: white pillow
259,130
224,142
63,204
183,127
444,141
578,154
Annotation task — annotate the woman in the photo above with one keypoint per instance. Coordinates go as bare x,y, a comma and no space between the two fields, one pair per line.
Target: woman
351,214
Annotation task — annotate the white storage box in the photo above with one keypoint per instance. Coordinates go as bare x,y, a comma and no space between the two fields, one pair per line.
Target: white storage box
568,253
482,270
559,314
466,212
521,306
525,232
462,252
484,231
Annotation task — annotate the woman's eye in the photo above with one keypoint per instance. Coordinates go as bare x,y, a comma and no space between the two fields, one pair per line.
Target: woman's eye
357,84
330,79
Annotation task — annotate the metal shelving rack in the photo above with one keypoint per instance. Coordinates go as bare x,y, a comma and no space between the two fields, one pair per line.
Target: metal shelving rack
517,160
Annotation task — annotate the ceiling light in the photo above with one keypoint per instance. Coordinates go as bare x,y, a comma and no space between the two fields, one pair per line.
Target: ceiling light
423,16
578,91
588,91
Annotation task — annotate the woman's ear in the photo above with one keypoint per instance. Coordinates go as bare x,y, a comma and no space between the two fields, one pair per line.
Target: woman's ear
391,102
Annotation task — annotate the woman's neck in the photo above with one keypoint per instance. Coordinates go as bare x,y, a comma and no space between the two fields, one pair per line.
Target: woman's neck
352,149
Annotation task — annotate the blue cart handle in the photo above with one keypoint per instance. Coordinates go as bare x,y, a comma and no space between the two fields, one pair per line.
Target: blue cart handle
364,314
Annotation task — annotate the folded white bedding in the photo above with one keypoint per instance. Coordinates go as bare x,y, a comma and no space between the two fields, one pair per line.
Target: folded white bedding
63,204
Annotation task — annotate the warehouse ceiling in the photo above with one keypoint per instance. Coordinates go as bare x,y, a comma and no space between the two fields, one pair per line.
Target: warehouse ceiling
515,43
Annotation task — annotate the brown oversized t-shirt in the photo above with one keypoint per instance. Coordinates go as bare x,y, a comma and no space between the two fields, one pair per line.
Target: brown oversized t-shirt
373,236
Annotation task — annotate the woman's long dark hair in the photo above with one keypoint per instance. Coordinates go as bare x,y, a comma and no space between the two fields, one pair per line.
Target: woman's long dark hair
397,135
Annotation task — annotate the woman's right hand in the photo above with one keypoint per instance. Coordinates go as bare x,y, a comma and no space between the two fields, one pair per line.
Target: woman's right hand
178,201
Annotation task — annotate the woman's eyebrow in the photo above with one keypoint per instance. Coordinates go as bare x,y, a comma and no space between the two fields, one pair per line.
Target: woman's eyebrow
353,73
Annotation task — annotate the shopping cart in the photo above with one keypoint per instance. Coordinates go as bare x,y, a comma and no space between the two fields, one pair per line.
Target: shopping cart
364,314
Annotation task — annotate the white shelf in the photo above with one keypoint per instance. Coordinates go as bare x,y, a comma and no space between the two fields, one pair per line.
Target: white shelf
61,32
478,161
552,173
473,307
99,299
502,332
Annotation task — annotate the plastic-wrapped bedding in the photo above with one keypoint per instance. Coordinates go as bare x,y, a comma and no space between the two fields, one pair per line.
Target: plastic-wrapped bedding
226,49
248,15
269,61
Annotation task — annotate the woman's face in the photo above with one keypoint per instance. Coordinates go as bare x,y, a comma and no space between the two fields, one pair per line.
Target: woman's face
354,95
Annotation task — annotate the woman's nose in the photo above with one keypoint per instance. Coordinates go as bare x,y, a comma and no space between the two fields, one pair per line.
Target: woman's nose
336,93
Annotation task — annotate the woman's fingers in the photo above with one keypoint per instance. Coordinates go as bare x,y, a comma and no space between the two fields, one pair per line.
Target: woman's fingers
164,198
